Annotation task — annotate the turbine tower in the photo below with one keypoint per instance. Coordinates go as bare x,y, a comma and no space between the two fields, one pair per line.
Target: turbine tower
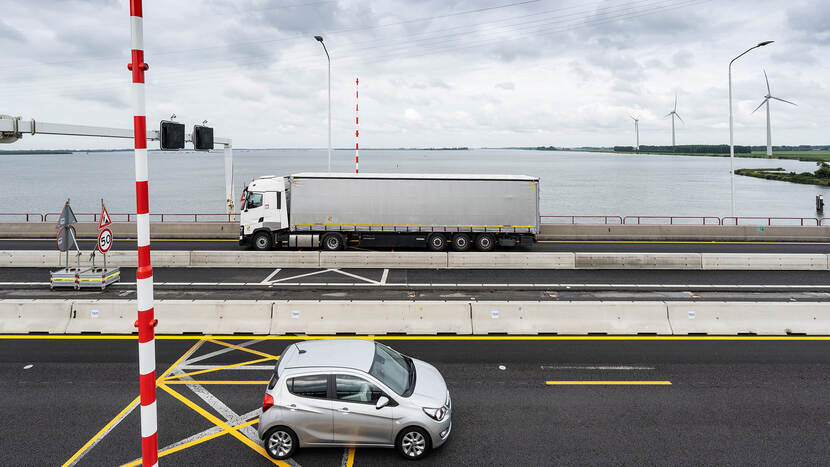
673,114
636,130
766,101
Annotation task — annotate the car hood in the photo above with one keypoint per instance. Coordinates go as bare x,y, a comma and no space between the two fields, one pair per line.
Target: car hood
430,387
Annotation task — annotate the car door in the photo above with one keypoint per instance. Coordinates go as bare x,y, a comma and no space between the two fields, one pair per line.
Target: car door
356,420
310,409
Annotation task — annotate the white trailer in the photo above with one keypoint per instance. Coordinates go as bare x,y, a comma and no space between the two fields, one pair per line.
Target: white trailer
333,211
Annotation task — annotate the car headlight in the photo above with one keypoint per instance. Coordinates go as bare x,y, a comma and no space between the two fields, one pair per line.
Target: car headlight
436,414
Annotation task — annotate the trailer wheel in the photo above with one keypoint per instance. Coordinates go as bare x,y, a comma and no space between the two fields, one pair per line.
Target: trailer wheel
485,242
461,242
332,242
262,241
437,242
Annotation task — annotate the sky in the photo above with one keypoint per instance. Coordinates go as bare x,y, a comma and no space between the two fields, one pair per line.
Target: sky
433,73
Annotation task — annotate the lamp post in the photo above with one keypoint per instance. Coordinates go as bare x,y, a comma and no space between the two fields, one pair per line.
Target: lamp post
731,132
320,39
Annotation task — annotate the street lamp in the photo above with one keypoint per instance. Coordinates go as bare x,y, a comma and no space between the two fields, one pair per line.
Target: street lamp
320,39
731,133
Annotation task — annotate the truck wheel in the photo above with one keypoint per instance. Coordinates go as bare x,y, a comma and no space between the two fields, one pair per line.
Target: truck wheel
332,242
437,242
485,242
461,242
262,241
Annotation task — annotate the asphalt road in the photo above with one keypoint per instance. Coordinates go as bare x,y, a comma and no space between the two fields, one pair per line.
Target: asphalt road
586,246
442,284
749,401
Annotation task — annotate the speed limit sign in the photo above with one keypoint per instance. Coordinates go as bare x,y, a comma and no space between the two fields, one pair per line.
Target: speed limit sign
104,240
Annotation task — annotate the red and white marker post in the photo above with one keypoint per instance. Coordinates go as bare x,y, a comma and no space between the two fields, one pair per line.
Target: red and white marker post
146,322
356,126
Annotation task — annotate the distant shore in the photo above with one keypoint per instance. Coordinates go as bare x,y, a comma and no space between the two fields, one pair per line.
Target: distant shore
778,173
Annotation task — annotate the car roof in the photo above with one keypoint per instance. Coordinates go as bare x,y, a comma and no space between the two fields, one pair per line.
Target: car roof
357,354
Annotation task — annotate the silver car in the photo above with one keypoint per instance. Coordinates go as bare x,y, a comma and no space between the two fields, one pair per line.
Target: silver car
353,392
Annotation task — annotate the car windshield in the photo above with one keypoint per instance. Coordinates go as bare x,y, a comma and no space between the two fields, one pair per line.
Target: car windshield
392,369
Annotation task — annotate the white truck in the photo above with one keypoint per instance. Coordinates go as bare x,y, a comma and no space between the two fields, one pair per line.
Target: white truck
335,210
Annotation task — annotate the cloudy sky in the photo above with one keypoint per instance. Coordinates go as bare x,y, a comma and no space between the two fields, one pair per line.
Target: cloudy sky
432,72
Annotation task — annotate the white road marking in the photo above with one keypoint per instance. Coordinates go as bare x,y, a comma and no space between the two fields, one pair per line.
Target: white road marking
218,405
245,367
28,366
219,352
384,276
595,367
271,276
302,275
355,276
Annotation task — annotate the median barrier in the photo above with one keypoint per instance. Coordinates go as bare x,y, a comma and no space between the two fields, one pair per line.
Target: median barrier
159,258
103,316
370,317
638,260
763,318
213,316
511,260
764,261
569,318
33,258
255,259
383,259
26,316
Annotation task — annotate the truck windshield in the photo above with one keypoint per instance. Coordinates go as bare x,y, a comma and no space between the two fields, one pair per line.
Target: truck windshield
393,369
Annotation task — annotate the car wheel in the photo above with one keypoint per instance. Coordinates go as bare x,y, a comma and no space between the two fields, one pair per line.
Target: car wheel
280,442
437,242
262,241
461,242
485,242
413,443
333,242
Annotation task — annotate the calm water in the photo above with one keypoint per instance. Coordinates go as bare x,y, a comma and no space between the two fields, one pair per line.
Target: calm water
572,183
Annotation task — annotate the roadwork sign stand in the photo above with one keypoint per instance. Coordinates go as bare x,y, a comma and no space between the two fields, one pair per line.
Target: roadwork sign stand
100,277
68,276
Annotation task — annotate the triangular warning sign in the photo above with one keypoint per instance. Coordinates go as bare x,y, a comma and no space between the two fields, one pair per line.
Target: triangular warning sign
105,217
67,216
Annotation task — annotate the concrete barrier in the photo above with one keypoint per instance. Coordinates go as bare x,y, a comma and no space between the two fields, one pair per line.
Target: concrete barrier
27,316
638,260
32,258
121,230
370,317
213,316
255,259
383,259
569,317
764,318
104,316
511,260
764,261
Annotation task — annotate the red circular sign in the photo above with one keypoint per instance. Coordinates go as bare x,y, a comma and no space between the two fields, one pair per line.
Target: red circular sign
104,240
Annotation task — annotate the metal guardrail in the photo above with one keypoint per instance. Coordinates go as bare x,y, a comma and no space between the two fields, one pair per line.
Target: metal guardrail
569,220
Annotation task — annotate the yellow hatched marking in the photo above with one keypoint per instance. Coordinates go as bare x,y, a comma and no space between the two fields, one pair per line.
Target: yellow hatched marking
606,383
244,349
195,442
209,381
218,422
350,458
251,362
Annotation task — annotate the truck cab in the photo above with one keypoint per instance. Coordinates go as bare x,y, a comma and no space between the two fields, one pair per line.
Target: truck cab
264,212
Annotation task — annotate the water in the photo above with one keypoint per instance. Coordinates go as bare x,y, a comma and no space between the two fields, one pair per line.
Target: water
572,183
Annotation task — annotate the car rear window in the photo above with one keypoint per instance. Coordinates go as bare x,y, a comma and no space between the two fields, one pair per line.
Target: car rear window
309,386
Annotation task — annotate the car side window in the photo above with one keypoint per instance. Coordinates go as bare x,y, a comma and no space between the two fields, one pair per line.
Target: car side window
355,389
315,386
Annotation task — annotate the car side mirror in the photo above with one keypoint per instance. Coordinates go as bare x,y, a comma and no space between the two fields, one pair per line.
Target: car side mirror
382,402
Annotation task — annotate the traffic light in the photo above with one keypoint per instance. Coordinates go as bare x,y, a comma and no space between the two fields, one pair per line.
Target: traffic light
171,136
202,137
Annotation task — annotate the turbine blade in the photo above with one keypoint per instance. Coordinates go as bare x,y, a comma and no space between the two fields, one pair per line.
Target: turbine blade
668,115
782,100
760,105
675,102
678,116
767,79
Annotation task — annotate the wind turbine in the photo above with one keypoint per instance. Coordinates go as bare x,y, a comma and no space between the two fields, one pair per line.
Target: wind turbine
636,130
766,101
673,114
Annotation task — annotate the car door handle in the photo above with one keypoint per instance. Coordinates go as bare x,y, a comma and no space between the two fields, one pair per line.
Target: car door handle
344,409
293,407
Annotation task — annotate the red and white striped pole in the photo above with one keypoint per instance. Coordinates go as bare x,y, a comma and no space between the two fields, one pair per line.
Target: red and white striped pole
146,322
356,129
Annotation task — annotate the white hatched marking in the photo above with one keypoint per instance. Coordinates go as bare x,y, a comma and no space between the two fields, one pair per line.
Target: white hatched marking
271,276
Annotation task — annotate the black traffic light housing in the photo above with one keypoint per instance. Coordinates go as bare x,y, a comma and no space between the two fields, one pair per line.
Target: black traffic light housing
202,137
171,136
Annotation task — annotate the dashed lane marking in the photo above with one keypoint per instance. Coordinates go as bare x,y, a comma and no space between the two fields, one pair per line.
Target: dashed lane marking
608,383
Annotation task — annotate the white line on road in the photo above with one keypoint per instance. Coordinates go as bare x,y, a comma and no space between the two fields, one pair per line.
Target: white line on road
245,367
595,367
384,276
219,352
271,276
